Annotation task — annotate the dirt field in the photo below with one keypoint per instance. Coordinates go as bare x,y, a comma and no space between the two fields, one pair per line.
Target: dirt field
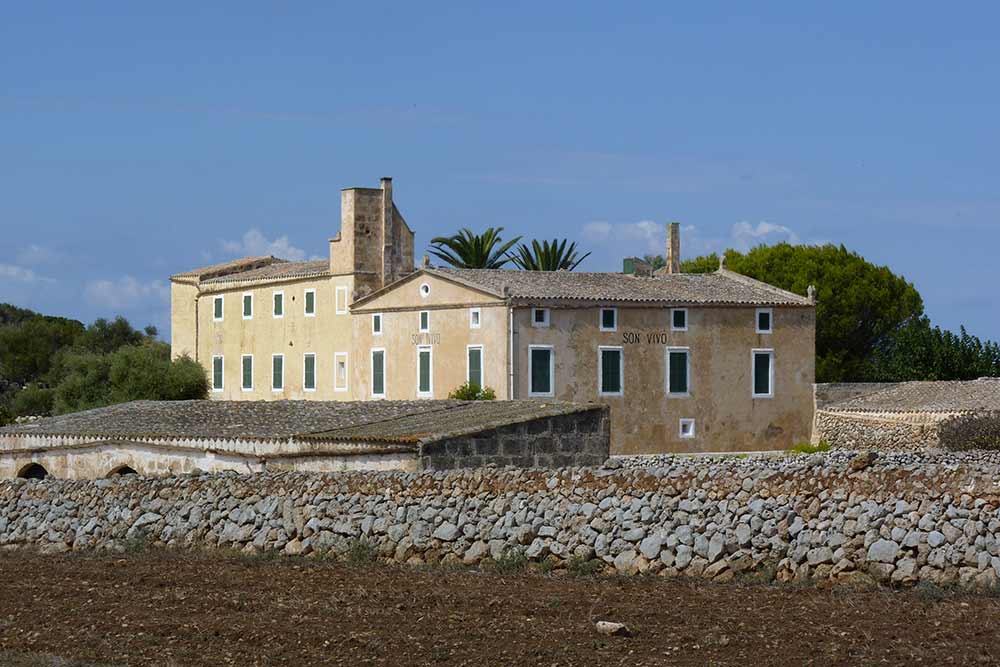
171,609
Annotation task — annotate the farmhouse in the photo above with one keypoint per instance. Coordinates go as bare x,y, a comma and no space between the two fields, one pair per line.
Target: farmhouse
686,362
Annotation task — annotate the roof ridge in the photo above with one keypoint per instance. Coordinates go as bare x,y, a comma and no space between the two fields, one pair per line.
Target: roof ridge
747,280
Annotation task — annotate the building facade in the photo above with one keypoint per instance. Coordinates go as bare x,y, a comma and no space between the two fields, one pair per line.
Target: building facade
686,362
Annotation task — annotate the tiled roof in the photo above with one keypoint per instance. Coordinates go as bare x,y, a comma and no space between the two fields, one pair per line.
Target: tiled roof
229,268
981,395
342,421
720,287
279,269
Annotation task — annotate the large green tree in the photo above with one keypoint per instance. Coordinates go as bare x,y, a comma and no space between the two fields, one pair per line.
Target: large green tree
544,256
466,250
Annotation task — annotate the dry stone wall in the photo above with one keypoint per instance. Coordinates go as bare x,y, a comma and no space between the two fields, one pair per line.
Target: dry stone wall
842,517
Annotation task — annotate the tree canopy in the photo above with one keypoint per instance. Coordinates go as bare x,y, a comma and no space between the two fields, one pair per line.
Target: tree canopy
548,257
466,250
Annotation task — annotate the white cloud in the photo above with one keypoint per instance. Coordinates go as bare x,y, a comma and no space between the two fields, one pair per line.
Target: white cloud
126,292
254,243
20,274
744,236
649,235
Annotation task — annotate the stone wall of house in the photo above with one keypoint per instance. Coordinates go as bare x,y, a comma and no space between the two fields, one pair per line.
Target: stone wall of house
578,439
881,431
844,517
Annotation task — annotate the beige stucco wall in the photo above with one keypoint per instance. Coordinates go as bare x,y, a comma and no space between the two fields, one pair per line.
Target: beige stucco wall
644,419
183,306
293,335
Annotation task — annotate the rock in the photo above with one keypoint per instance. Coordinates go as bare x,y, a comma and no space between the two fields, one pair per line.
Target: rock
863,460
651,545
819,555
476,553
625,562
612,629
446,532
883,551
935,539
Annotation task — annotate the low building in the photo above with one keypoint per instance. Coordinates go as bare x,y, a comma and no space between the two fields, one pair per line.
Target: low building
687,362
164,437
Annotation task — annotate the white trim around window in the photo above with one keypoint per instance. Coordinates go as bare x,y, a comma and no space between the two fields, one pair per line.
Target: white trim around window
552,371
468,368
430,371
424,321
753,372
687,357
222,373
385,365
378,323
305,357
546,317
305,302
338,308
614,315
686,429
278,381
475,318
601,349
672,321
770,320
278,296
243,372
243,305
218,305
337,358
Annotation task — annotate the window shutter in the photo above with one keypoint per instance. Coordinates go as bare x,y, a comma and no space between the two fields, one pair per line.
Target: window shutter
476,367
541,381
424,385
762,373
378,372
678,372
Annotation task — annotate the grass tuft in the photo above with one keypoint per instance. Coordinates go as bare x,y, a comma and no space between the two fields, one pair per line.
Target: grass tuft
807,448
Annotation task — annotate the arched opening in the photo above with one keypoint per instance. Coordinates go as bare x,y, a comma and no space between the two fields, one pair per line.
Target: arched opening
123,470
33,471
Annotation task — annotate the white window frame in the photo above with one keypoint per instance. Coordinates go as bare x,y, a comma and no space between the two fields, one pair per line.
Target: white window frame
425,290
552,371
475,318
482,363
273,357
243,306
274,295
545,323
601,349
600,319
305,302
341,289
222,386
381,324
666,385
680,429
420,321
753,372
371,374
243,359
305,355
430,371
222,300
347,371
770,319
686,322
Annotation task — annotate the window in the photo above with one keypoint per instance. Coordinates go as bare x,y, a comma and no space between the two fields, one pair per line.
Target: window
609,319
277,372
341,298
474,365
217,308
764,320
309,371
309,300
678,371
540,317
218,366
378,373
679,319
247,371
474,318
425,320
425,290
541,369
424,372
248,306
763,373
611,371
377,324
340,371
279,304
686,428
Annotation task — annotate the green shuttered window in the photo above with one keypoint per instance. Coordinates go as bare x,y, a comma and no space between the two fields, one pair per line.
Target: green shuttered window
476,366
247,306
310,297
677,363
217,365
541,371
378,372
247,373
611,371
217,305
277,372
309,372
423,370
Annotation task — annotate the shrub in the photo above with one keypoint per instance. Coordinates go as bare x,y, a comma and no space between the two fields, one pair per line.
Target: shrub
806,448
32,400
512,560
472,392
360,552
5,416
583,567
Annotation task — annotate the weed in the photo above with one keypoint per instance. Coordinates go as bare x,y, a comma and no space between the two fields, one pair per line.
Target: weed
807,448
582,567
137,542
510,561
360,552
929,592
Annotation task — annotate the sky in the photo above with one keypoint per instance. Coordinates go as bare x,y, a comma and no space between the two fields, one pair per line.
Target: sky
139,141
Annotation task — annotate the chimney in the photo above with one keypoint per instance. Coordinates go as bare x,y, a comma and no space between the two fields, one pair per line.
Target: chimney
387,231
673,255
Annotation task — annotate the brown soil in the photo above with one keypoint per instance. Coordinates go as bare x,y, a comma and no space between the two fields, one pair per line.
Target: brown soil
163,608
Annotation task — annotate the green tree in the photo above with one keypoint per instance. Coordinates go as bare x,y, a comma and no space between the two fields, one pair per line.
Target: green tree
655,261
545,257
860,306
466,250
105,336
28,345
919,351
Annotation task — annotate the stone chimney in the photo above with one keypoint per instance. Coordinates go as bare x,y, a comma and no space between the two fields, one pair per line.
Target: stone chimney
387,230
673,255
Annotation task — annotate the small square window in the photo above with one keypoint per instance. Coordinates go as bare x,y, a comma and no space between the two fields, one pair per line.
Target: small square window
687,428
679,319
340,371
340,307
248,306
764,320
377,324
310,302
540,317
425,321
474,318
217,310
279,304
609,319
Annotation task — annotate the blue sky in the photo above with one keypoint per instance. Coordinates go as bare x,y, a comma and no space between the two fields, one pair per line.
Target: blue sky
139,142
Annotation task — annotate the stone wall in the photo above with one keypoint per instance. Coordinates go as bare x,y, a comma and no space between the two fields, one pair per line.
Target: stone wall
887,431
839,517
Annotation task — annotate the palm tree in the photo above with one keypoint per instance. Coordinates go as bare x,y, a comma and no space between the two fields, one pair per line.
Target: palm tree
545,257
466,250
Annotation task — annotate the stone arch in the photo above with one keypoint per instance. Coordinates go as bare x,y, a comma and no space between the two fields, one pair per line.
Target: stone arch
122,470
33,471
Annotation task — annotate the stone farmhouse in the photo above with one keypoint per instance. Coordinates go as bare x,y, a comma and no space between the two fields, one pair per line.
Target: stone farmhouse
686,362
